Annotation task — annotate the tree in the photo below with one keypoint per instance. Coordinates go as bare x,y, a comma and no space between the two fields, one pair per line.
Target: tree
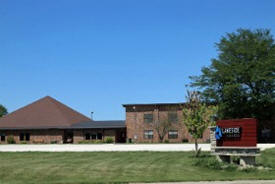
242,77
197,116
162,124
3,110
162,127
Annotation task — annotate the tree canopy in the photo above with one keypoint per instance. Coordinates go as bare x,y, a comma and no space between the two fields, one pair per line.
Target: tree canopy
197,116
3,110
242,77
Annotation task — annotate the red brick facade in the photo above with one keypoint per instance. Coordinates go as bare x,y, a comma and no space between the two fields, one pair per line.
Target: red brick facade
136,125
57,136
35,136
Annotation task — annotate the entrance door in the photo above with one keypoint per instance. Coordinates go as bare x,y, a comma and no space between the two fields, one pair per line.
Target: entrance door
121,135
68,137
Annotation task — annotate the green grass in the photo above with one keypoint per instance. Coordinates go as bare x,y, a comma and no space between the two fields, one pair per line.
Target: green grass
94,167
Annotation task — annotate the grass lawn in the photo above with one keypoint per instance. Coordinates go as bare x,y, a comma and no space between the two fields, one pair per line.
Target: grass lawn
94,167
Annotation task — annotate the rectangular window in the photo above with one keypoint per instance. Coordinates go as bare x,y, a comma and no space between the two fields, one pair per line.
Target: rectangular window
99,136
173,134
21,137
172,117
3,137
148,134
24,136
148,118
93,136
87,136
27,137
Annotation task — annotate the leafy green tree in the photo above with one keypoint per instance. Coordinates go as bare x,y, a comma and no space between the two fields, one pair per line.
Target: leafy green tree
3,110
242,77
197,117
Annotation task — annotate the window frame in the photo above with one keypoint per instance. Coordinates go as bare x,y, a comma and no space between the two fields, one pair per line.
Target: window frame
2,137
93,137
148,135
27,137
87,136
21,137
146,119
173,119
173,136
24,136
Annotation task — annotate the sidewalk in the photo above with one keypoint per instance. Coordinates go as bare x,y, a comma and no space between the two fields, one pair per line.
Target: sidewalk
107,147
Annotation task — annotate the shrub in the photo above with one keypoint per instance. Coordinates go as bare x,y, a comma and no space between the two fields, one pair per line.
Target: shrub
211,162
10,140
23,142
185,140
166,141
53,142
90,142
129,140
208,162
109,140
207,141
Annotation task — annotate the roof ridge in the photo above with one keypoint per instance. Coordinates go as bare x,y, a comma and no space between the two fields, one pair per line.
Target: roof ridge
52,101
60,105
45,111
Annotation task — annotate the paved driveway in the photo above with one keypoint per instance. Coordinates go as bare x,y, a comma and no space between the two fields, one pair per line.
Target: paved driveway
108,147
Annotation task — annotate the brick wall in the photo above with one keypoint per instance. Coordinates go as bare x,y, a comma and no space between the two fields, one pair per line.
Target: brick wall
56,136
36,136
79,135
136,126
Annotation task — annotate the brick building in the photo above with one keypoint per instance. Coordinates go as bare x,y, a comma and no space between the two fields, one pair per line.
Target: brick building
144,120
49,121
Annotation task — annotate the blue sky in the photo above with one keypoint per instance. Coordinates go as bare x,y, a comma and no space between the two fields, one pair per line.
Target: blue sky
96,55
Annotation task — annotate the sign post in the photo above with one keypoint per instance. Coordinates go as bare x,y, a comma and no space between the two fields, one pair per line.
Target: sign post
237,137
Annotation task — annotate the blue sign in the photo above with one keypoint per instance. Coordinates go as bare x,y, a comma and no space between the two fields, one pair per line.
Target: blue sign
218,133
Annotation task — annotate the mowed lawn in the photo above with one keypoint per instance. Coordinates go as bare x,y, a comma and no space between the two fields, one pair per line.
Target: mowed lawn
100,167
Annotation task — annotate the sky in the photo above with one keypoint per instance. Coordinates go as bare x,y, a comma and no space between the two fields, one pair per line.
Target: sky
95,55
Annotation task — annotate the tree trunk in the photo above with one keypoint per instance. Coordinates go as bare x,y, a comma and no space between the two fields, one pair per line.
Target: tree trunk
196,148
161,139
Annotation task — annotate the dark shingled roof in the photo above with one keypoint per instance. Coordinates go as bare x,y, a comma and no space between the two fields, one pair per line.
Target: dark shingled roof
152,104
100,124
43,113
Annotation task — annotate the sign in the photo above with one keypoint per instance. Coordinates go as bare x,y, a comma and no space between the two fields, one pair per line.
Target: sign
236,132
231,132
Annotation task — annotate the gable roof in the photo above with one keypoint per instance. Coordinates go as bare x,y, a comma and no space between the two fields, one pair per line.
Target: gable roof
43,113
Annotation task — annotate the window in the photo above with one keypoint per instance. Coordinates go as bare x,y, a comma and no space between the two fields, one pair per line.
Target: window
99,136
3,137
24,136
148,134
87,136
93,136
21,137
173,117
27,137
173,134
148,118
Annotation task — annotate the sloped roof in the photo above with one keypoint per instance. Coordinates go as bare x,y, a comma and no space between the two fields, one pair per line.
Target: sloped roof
153,104
100,124
43,113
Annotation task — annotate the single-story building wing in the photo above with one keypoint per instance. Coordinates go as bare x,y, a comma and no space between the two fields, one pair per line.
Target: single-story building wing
49,121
